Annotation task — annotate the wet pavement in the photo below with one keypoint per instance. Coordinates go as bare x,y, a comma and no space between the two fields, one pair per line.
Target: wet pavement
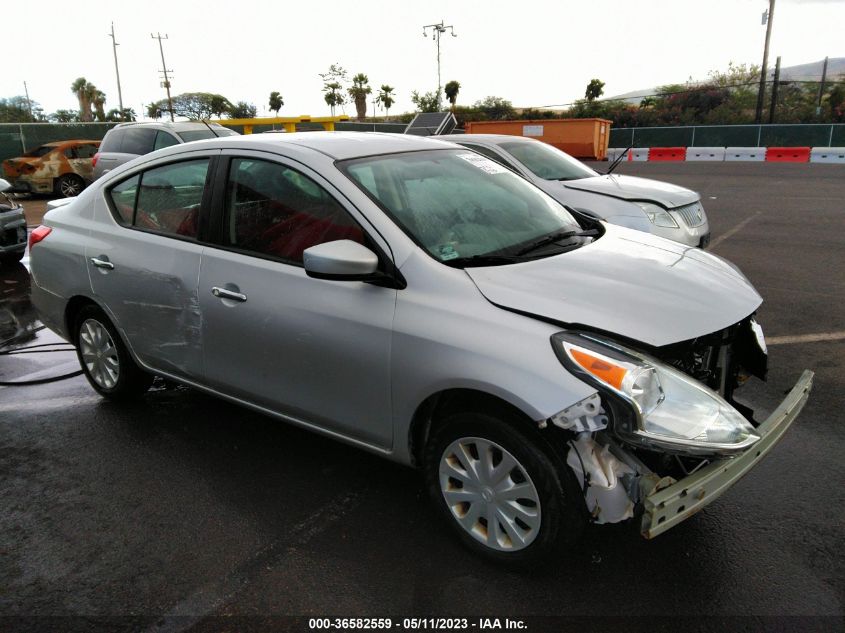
184,512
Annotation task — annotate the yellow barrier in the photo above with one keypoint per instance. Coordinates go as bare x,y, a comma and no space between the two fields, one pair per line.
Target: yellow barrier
288,122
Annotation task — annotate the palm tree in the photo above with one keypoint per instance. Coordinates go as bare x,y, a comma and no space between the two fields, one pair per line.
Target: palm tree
276,102
385,98
333,96
451,89
83,89
359,91
98,99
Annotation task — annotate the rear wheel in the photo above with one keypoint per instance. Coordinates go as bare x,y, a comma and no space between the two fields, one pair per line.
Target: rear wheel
104,358
69,185
504,492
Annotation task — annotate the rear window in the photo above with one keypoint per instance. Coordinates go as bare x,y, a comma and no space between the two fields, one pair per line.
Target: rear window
111,142
138,140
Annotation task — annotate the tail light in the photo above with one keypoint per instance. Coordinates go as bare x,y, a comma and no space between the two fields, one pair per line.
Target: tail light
95,159
38,234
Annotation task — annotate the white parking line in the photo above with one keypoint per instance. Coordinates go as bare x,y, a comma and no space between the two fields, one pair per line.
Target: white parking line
733,231
805,338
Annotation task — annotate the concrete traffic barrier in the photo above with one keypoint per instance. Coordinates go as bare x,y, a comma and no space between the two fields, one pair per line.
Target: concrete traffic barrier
638,153
614,152
667,153
827,155
706,153
745,154
788,154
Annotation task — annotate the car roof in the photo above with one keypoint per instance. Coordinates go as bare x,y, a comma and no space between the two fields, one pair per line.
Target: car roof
492,139
167,125
337,145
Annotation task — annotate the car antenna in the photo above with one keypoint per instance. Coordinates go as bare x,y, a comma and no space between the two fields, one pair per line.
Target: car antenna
210,128
618,160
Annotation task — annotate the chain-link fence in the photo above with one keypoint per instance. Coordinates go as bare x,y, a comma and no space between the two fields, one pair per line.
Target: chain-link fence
797,135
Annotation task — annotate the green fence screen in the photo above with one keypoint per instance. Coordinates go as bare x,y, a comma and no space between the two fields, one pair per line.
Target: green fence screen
807,135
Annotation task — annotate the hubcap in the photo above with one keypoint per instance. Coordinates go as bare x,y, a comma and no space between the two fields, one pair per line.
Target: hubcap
490,494
99,353
70,188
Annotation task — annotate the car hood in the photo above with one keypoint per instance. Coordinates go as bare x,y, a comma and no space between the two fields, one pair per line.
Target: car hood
626,283
633,188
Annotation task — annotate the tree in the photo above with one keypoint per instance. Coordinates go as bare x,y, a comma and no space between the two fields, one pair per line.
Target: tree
428,102
193,105
64,116
219,105
452,88
358,91
99,101
595,89
276,102
154,110
333,81
85,92
20,110
385,99
127,114
243,110
496,108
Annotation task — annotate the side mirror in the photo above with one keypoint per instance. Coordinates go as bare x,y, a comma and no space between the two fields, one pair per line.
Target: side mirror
341,260
4,185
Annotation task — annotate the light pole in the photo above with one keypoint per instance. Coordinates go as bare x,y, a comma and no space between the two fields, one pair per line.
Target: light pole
114,45
768,16
436,31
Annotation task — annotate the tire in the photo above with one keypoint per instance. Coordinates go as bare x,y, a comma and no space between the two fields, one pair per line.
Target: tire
68,186
104,359
530,530
11,258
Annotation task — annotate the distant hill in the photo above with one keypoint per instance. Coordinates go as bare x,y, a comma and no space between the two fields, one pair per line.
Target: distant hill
801,72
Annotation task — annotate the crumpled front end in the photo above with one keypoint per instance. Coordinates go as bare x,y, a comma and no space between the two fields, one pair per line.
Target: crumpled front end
664,435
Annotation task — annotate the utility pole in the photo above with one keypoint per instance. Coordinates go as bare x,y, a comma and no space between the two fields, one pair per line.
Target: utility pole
28,102
768,18
166,83
438,30
821,87
114,46
775,92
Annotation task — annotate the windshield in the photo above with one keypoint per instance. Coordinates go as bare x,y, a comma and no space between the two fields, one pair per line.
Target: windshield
547,162
40,151
198,135
457,204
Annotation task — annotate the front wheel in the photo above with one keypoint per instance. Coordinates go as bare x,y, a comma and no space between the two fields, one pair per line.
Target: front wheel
104,358
11,258
503,490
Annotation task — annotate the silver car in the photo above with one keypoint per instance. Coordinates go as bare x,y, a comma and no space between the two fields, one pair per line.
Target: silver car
656,207
420,301
126,141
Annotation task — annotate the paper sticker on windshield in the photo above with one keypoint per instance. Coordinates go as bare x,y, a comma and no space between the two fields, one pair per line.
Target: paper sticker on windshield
484,164
447,251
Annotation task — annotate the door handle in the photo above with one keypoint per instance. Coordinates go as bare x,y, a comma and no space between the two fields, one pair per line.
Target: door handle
102,263
222,293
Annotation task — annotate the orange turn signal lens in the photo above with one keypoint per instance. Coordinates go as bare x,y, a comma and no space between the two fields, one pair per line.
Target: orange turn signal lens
602,369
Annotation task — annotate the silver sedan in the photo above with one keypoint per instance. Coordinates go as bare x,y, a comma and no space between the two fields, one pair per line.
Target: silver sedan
420,301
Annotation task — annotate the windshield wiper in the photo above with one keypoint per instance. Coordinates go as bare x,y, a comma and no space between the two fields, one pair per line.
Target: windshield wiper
481,260
551,238
618,160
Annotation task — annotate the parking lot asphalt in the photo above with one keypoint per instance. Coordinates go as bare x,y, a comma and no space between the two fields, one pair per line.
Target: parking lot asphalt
184,512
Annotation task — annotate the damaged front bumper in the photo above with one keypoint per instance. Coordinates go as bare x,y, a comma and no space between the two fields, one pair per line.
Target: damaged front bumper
669,506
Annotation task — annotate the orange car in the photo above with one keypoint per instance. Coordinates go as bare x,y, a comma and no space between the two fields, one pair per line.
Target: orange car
63,168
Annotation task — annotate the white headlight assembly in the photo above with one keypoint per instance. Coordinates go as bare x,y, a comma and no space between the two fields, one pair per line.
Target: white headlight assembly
657,215
670,410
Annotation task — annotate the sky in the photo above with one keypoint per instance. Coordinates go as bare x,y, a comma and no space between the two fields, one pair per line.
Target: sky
542,56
